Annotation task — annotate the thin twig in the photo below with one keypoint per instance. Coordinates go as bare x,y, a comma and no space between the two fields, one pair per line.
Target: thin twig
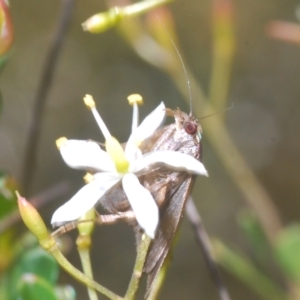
206,247
42,93
40,200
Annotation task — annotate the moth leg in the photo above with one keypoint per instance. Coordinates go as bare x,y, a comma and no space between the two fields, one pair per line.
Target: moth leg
68,227
113,218
161,195
159,188
100,219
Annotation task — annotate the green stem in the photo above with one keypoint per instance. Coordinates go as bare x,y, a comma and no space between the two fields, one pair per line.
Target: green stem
87,269
142,7
245,271
138,267
223,52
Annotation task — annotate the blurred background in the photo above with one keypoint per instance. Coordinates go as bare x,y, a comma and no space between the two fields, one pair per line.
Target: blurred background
264,123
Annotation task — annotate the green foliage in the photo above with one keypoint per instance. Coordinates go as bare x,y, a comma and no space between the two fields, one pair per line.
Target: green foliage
8,199
3,60
244,269
31,286
36,261
65,292
288,251
1,100
255,234
33,275
282,257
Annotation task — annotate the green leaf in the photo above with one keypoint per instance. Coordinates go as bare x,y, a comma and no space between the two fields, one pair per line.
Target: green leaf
288,251
245,271
8,199
6,250
35,261
3,287
248,221
66,292
3,60
39,262
33,287
1,102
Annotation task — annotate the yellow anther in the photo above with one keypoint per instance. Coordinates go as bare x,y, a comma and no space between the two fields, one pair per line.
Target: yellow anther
88,178
89,101
135,98
60,142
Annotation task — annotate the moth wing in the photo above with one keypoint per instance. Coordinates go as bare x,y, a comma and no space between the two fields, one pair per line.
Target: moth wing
147,144
115,200
170,219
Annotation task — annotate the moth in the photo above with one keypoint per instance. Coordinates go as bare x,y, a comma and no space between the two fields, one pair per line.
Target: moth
170,189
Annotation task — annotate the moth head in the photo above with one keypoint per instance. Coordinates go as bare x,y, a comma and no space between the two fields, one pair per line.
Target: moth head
187,122
191,127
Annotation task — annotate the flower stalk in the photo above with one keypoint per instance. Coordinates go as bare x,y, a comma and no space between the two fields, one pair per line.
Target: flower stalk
138,267
106,20
84,243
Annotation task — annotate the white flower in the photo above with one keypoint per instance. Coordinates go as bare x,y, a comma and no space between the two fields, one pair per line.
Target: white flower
114,165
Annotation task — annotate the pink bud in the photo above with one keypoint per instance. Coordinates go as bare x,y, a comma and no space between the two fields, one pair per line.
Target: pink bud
285,31
6,28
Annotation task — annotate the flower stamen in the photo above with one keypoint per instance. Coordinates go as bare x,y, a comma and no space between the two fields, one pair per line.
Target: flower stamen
90,103
135,100
60,142
88,177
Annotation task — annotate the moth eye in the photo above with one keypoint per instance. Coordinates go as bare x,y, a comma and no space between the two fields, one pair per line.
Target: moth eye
190,128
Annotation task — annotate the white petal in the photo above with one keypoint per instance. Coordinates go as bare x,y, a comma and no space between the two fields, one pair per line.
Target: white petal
79,154
148,126
132,154
151,122
142,203
175,160
84,199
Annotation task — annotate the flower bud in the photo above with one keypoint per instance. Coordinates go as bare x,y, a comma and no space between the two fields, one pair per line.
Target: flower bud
6,28
32,218
102,21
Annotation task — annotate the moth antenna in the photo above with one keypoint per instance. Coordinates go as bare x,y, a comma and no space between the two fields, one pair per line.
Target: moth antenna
182,64
218,112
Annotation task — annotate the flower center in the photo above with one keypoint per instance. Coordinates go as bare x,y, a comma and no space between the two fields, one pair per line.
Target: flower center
116,153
